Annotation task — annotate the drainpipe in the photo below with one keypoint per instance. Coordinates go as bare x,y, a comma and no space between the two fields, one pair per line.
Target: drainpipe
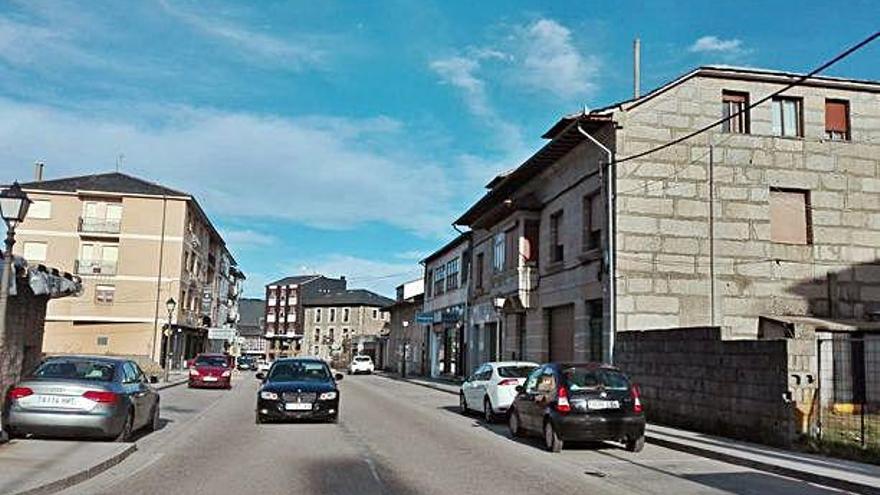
612,270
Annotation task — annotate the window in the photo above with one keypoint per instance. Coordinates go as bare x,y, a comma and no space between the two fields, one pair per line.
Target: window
331,334
465,267
318,315
511,249
345,315
498,247
452,268
837,120
105,294
439,279
103,341
332,315
478,271
40,209
595,308
345,331
375,314
96,258
735,104
593,215
429,283
787,117
531,235
35,251
790,216
557,250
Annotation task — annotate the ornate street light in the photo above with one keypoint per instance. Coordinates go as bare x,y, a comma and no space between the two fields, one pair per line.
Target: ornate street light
14,204
170,305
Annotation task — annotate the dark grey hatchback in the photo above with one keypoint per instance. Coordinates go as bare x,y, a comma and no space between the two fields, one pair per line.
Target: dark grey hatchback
579,402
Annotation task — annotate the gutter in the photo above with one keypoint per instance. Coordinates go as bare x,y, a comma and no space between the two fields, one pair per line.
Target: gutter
612,270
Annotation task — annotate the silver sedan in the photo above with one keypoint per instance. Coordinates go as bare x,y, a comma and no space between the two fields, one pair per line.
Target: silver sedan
82,396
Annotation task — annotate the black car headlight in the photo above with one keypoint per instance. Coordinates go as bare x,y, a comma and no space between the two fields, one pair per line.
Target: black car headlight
265,395
328,396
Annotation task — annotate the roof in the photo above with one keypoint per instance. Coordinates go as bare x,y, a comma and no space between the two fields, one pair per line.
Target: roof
465,236
295,280
354,297
115,182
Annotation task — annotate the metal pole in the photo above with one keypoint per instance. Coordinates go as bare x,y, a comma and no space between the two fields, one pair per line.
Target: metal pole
4,286
168,335
159,282
711,235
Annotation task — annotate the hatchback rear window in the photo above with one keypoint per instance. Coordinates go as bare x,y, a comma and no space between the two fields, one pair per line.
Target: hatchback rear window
98,371
362,358
515,371
591,379
212,361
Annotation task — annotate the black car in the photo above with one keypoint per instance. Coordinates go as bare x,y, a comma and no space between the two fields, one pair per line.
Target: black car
579,402
298,388
247,363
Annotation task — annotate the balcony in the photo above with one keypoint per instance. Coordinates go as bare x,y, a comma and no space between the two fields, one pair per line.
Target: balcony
97,225
95,267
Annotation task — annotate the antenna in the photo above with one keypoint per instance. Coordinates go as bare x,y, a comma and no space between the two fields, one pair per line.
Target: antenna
119,159
637,73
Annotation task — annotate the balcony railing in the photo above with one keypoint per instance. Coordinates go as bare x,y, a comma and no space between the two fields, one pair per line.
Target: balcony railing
95,267
97,225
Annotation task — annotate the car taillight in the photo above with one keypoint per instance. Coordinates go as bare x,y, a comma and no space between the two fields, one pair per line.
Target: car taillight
101,396
193,372
508,382
20,392
562,404
637,401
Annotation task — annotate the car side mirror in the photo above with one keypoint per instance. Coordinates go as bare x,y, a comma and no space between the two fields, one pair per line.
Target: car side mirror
338,376
520,389
154,379
260,376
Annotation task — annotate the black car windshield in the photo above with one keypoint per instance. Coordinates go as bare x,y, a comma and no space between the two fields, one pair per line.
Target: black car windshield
515,371
99,371
582,378
212,361
299,371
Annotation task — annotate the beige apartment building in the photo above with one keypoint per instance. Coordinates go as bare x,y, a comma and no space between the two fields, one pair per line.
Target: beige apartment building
771,216
337,324
135,244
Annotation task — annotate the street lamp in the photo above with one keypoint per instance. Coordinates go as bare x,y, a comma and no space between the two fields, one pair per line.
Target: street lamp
405,324
170,305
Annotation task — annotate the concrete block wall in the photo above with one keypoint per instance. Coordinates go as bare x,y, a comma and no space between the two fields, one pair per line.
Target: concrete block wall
691,378
663,211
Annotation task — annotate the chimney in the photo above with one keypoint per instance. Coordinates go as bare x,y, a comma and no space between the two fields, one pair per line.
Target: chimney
38,171
637,49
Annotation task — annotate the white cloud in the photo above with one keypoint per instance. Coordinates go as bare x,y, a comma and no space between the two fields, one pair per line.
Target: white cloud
714,44
459,72
413,255
245,238
378,276
243,165
551,62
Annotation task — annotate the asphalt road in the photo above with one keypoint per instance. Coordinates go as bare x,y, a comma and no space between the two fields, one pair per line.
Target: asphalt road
393,438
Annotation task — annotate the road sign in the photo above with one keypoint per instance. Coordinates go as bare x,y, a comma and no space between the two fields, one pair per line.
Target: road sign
221,333
424,318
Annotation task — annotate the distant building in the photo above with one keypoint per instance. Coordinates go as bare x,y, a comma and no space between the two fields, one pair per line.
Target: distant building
446,300
135,244
342,323
285,313
250,327
404,348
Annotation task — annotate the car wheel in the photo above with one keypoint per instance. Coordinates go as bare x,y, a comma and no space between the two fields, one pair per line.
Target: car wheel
334,419
635,444
551,438
462,403
127,427
513,424
259,419
488,413
154,418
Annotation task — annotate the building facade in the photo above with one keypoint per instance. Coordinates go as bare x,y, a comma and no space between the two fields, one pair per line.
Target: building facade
340,324
446,301
135,244
251,331
285,319
404,349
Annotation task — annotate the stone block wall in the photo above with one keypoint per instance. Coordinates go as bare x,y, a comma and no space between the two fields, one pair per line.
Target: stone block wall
21,345
691,378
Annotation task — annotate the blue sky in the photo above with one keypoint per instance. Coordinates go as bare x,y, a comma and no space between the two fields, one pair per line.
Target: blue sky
345,137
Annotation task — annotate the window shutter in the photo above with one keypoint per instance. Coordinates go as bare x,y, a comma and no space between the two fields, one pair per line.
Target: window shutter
835,116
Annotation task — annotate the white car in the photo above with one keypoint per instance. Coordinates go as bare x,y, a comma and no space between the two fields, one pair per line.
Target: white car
361,364
263,366
492,387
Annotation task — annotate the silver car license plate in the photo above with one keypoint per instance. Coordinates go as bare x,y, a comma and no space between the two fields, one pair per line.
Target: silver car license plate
602,404
56,401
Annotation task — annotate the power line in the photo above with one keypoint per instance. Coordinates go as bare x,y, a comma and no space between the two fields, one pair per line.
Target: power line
796,82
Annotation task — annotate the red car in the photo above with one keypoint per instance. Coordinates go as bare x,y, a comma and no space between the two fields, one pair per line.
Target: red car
211,371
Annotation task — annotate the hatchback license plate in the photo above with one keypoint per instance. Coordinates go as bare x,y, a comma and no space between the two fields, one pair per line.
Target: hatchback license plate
603,404
298,406
210,378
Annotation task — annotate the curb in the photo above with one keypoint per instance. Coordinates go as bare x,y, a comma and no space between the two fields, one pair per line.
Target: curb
818,479
172,384
85,474
419,383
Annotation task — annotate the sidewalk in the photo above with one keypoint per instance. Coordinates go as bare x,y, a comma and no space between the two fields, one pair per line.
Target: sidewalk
837,473
176,377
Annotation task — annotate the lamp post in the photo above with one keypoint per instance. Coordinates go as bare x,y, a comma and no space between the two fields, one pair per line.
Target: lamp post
405,324
14,204
170,305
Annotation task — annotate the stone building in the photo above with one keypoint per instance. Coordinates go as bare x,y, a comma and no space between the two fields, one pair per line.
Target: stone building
342,323
250,327
762,216
135,244
446,301
285,321
404,348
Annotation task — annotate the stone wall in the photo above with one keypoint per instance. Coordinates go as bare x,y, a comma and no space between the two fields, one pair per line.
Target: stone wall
21,345
691,378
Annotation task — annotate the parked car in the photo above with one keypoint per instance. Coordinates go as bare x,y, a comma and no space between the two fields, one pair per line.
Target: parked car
82,396
247,363
492,387
263,366
579,402
211,371
298,388
361,364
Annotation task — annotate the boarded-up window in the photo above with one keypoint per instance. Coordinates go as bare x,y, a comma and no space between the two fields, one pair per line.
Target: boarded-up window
478,271
734,108
790,216
511,249
560,321
837,120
